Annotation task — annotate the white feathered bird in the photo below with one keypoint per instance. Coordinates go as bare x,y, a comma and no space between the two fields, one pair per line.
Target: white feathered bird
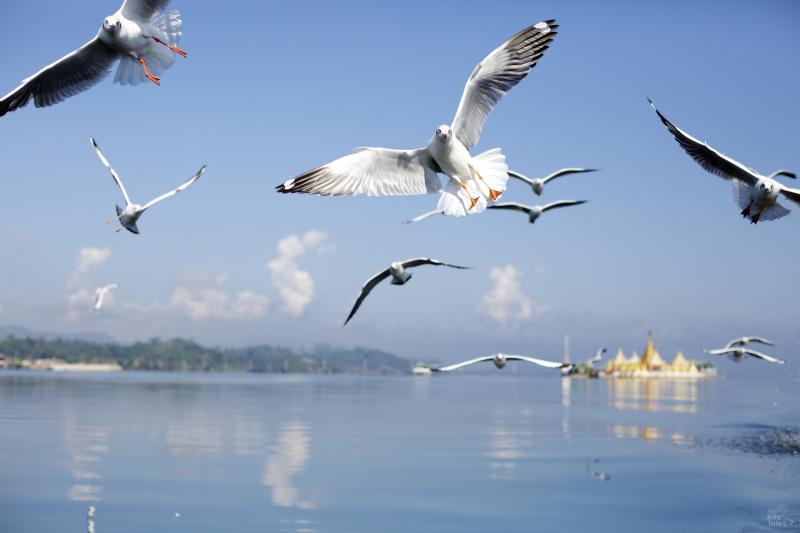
535,211
598,356
737,353
741,341
537,184
398,272
129,215
500,360
139,34
757,195
100,294
473,181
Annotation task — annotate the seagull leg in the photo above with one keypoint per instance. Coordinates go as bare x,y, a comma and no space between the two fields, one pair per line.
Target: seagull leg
154,79
493,194
746,211
472,199
754,219
171,47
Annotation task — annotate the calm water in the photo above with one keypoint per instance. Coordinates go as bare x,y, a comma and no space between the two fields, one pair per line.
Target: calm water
484,453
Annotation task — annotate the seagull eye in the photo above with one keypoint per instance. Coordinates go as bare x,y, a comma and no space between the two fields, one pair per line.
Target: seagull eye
449,132
119,24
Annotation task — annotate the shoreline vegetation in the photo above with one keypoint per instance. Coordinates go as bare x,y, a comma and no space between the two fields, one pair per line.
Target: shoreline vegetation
186,355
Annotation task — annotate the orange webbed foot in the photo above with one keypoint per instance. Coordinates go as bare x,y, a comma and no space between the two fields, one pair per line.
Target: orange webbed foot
151,77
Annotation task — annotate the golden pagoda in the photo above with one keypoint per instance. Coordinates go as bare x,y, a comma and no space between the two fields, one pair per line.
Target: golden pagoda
652,365
651,360
619,360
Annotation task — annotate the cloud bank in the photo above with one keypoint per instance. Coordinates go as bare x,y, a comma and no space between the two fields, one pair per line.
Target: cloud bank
295,287
203,297
505,302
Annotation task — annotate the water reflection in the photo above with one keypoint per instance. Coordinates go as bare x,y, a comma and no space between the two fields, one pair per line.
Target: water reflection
195,435
248,435
287,461
670,395
85,442
566,401
648,433
508,441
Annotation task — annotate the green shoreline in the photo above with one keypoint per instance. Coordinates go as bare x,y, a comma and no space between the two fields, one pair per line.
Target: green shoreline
186,355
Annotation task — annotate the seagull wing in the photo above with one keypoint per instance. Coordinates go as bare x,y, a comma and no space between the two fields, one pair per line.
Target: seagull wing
787,173
173,192
566,172
423,216
496,75
540,362
73,73
410,263
142,10
365,290
791,194
514,206
741,341
561,203
521,177
707,157
371,171
721,351
98,299
114,174
463,364
763,356
598,356
760,340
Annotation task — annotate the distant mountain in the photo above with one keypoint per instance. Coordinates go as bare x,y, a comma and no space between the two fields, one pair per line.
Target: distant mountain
186,355
23,332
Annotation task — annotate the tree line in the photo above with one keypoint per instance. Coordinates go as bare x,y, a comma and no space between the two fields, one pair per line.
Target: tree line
186,355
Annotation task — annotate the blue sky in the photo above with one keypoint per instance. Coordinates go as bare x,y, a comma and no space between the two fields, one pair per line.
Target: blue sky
271,90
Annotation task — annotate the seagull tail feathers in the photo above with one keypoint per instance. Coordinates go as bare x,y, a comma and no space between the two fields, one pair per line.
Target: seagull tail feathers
487,185
774,212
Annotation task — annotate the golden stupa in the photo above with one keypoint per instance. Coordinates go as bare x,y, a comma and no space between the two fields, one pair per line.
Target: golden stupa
651,364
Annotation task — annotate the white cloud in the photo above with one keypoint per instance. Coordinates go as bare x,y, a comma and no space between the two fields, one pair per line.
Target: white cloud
295,286
88,258
505,301
249,304
203,297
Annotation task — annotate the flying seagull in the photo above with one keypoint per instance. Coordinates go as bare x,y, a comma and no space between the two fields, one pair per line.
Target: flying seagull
473,181
131,213
538,184
100,294
535,211
756,194
598,356
397,271
139,35
738,353
741,341
500,360
423,216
